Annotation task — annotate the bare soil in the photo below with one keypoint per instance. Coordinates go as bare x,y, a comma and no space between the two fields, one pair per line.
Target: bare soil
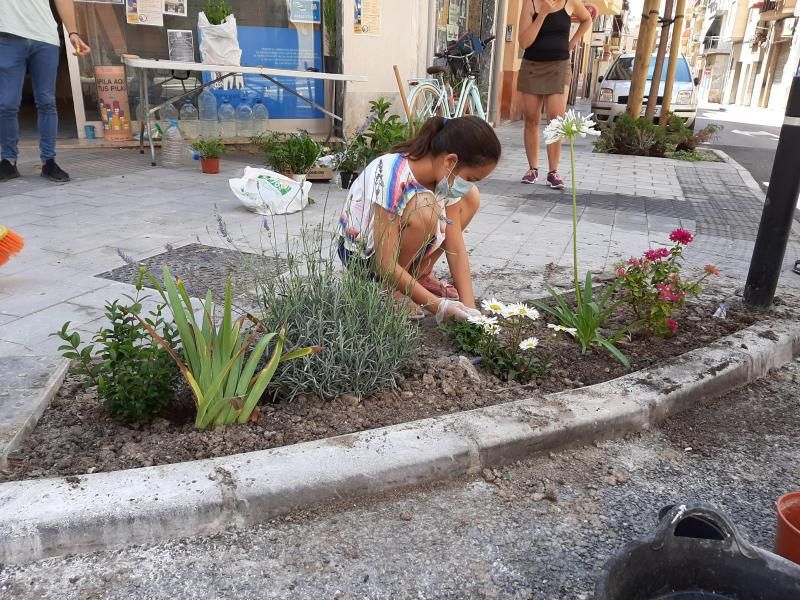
76,435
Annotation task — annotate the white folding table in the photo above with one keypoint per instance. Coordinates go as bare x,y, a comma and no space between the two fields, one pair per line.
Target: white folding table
145,64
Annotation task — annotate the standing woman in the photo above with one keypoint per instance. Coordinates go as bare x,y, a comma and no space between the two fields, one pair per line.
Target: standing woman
546,73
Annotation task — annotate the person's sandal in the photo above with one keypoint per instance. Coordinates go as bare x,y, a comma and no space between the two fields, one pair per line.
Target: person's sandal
415,311
796,267
443,289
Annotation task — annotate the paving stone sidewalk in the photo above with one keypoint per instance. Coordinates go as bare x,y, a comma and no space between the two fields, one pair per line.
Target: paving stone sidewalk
118,202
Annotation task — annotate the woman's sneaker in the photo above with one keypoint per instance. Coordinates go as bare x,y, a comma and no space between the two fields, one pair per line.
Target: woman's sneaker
554,180
532,176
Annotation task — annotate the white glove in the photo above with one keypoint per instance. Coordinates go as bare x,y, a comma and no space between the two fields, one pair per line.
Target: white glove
454,309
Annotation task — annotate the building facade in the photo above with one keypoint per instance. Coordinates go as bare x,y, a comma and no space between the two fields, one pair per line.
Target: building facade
747,52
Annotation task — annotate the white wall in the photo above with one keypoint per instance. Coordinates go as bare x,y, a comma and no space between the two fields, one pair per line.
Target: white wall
403,40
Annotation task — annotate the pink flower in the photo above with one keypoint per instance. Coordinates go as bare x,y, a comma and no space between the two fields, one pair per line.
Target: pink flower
635,262
711,270
681,236
621,272
673,325
663,252
620,309
674,277
668,293
651,255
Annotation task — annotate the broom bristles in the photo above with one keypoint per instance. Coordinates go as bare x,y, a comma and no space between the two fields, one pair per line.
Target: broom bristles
11,243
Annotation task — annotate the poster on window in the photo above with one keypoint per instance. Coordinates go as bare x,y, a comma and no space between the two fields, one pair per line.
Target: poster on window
305,11
145,12
181,44
296,49
112,94
367,17
175,8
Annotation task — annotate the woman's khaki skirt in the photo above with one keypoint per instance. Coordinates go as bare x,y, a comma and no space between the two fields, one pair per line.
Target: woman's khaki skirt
543,78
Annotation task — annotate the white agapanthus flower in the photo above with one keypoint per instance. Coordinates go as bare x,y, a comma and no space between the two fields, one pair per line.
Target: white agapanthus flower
569,126
493,306
570,330
529,344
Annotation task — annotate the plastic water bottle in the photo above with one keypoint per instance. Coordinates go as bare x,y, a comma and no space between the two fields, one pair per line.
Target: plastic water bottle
244,119
207,103
168,113
174,151
227,119
189,117
260,118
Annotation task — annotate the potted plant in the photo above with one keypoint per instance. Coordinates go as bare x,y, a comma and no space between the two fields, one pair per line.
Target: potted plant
352,161
210,150
292,154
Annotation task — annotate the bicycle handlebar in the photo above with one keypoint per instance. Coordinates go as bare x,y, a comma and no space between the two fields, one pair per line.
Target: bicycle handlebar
448,55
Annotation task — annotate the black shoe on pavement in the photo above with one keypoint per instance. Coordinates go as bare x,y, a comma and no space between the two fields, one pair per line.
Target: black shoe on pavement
8,170
51,171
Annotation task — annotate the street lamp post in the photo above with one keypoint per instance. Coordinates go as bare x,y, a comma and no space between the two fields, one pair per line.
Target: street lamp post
776,219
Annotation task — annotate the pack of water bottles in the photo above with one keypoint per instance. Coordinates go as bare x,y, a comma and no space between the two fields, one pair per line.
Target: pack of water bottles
214,119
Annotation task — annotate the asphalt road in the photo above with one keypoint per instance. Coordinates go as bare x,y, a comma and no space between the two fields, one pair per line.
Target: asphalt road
541,529
750,137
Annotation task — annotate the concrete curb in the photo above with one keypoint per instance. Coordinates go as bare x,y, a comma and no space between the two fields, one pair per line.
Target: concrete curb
44,518
27,385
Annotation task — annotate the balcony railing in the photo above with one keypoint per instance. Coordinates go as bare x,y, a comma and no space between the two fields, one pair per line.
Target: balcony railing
769,5
716,43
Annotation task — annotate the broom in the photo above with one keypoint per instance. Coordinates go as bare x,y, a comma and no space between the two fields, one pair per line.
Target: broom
10,244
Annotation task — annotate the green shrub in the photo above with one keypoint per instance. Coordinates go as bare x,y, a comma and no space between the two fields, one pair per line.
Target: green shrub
217,11
134,377
288,153
634,137
367,339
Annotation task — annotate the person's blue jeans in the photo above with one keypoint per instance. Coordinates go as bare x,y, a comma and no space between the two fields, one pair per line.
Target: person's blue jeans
18,56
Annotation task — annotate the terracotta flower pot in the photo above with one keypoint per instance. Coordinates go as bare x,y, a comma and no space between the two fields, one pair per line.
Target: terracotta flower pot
209,165
787,538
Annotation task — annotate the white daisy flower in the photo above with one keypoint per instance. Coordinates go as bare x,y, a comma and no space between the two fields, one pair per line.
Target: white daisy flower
483,321
493,306
523,310
510,310
492,330
529,344
570,330
571,125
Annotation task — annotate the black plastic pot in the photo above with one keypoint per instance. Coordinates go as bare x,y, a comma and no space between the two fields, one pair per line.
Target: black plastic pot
348,179
695,553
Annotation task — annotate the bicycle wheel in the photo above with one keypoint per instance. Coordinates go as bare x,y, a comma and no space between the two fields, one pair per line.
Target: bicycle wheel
472,105
426,102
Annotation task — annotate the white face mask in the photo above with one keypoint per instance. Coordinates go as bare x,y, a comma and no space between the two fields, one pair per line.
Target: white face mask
459,188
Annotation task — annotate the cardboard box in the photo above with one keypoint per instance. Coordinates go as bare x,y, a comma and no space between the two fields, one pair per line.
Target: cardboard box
320,173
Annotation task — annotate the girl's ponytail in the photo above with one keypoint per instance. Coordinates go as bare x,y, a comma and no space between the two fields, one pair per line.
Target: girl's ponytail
470,138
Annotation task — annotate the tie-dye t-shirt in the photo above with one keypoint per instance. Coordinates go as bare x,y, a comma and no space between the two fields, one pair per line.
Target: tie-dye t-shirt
388,183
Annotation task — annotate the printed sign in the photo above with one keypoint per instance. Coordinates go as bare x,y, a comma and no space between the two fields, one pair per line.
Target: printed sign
112,92
305,11
145,12
367,17
181,44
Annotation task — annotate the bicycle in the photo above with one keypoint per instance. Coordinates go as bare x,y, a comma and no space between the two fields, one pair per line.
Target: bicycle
436,97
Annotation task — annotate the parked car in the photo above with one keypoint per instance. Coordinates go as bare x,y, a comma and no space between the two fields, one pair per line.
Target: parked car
611,98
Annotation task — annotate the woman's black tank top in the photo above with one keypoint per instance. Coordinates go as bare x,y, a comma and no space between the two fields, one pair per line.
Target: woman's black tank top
552,43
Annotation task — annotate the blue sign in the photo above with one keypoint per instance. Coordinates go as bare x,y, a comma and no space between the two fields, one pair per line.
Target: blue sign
295,49
305,11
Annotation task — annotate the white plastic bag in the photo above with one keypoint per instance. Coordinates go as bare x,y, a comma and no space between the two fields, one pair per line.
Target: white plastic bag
219,45
268,193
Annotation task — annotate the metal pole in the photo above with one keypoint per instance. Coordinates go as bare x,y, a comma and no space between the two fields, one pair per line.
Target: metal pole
652,101
498,50
776,219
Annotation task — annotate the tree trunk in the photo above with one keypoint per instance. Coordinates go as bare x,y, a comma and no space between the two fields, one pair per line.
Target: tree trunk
641,63
652,102
672,66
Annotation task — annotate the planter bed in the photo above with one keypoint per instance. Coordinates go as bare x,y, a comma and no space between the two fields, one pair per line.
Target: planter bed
76,435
